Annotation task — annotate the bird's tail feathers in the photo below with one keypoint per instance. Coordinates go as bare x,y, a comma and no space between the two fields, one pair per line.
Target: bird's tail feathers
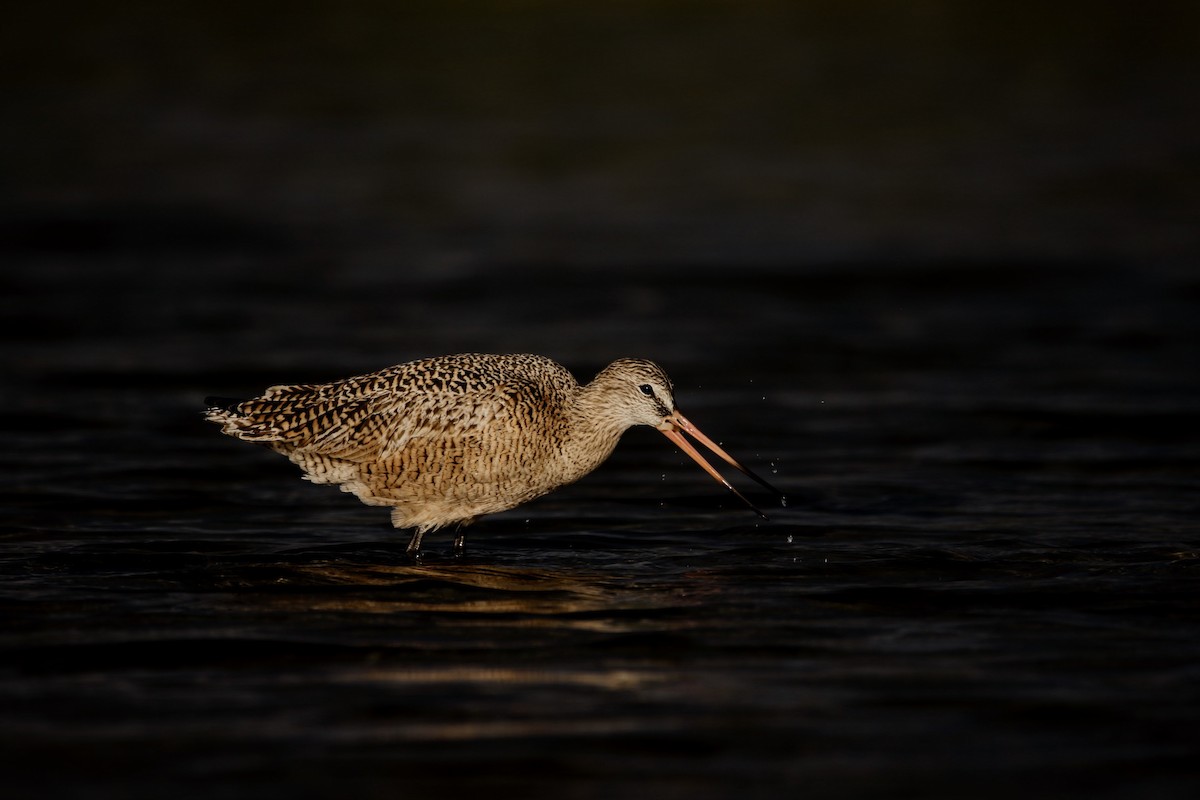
226,412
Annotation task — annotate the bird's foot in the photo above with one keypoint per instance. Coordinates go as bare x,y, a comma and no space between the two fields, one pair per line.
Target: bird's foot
414,546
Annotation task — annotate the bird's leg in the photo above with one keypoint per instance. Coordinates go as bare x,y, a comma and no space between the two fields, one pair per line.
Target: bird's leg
414,544
460,541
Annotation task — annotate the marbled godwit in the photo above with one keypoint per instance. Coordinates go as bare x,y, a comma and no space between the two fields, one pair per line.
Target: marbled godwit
445,440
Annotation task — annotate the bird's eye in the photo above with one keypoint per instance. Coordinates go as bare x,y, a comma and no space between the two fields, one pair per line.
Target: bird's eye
646,389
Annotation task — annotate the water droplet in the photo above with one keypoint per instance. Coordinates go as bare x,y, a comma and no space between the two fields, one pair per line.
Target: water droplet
783,500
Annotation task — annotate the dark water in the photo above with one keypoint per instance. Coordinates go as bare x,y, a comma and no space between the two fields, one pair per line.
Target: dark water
952,309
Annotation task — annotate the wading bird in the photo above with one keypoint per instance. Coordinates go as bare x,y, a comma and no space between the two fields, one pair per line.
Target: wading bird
445,440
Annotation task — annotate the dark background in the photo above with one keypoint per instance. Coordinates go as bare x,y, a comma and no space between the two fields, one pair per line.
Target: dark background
931,268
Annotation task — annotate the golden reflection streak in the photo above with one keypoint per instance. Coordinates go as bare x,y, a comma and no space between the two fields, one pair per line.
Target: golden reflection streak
545,597
614,680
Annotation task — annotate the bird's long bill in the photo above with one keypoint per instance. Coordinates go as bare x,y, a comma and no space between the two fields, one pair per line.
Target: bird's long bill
672,427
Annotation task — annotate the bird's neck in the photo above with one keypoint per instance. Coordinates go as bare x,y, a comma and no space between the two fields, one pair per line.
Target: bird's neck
595,429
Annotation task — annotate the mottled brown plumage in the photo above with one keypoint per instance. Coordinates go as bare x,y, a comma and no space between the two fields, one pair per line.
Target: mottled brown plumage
445,440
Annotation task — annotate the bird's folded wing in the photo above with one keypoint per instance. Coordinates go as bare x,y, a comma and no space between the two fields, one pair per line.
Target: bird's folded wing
458,416
350,422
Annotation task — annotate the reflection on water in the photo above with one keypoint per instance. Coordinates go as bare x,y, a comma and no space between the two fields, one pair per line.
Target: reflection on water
460,589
